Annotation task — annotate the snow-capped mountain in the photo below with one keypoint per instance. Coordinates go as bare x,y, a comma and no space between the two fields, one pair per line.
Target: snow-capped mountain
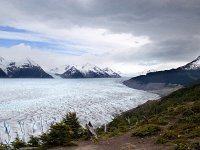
3,65
27,68
23,69
2,74
194,65
111,72
84,71
72,72
188,74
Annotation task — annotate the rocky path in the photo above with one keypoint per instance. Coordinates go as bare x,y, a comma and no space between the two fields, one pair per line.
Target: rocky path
124,142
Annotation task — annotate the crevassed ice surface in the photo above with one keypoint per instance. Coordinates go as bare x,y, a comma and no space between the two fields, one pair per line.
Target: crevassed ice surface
29,106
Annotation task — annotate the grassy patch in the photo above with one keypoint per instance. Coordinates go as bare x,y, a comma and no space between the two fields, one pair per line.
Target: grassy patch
146,130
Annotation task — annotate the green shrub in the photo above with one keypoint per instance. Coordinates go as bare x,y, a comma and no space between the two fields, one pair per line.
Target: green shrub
167,136
195,146
59,134
146,130
112,129
194,133
196,107
158,120
170,110
114,133
161,140
172,127
18,143
133,119
118,121
124,128
62,134
182,146
179,109
72,122
4,146
170,135
188,112
100,130
194,118
185,128
33,141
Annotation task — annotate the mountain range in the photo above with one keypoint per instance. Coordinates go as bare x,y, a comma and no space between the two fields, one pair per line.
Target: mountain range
83,71
29,69
182,76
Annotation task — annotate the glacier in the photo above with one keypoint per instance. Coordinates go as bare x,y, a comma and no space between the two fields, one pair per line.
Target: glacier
29,106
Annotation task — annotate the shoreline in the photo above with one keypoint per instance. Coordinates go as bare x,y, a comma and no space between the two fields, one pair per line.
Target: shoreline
157,88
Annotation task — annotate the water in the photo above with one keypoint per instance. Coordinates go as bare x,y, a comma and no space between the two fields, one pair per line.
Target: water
29,106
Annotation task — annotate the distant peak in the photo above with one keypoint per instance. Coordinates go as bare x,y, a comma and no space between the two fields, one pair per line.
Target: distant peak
197,59
26,61
194,65
88,65
29,60
107,68
1,58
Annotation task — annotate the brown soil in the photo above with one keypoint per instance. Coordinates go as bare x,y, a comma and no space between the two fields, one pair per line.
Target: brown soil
123,142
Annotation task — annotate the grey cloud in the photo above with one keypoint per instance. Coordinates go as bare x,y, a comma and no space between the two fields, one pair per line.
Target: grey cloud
172,50
170,24
155,17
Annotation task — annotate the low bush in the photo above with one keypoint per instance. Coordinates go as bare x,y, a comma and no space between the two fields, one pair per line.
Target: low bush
170,135
159,120
188,112
59,134
18,143
161,140
4,146
182,146
196,107
194,133
34,141
146,130
71,120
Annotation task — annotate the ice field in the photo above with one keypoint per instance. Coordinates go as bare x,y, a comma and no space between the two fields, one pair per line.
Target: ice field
29,106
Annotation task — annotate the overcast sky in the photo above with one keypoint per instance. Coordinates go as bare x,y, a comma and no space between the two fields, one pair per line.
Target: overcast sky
127,35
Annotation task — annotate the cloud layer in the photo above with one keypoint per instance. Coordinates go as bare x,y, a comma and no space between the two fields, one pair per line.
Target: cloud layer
133,35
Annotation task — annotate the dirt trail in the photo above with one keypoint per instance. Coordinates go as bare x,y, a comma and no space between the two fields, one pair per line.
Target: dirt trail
124,142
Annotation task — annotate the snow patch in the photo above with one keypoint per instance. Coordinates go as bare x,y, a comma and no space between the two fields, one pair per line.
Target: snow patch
194,65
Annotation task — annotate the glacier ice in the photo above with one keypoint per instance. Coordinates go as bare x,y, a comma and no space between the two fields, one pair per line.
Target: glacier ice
29,106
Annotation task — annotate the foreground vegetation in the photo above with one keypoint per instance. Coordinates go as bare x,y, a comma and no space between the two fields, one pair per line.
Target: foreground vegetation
59,134
174,119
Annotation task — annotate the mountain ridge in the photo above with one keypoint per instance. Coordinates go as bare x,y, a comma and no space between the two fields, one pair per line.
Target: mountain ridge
156,81
84,71
28,68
